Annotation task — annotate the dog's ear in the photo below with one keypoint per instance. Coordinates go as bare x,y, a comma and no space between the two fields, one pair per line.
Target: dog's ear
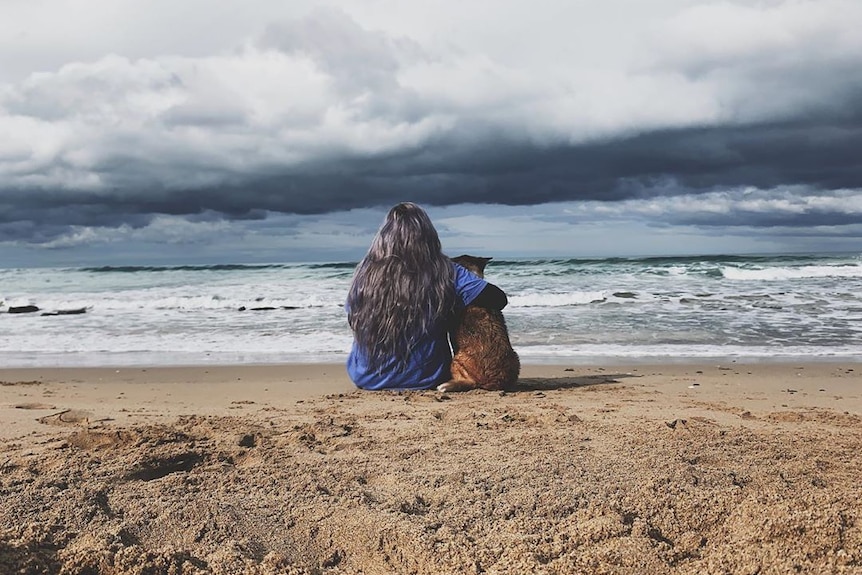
481,263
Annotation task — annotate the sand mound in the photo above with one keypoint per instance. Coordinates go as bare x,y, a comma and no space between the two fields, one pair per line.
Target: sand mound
533,482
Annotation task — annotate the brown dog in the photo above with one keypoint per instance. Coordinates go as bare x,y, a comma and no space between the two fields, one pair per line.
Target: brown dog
483,355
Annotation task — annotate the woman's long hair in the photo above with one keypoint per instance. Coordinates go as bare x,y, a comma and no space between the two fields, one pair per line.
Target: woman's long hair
402,287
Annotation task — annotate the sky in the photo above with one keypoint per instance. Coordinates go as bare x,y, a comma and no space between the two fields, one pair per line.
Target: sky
156,131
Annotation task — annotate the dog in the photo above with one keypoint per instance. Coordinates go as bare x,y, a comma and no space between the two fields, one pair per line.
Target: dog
483,357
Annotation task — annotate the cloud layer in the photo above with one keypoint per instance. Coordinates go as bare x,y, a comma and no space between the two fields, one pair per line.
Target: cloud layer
211,115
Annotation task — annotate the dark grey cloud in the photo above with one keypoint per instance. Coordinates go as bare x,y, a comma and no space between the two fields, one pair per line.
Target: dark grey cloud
818,154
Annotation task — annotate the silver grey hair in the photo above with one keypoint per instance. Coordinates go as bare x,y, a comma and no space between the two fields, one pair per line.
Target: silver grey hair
401,289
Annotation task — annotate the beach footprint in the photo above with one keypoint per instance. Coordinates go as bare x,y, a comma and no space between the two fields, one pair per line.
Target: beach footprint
68,417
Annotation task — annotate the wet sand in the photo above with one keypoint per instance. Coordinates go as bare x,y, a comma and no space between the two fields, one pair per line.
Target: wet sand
675,468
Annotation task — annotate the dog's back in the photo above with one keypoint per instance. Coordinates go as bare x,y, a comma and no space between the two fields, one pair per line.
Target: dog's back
483,355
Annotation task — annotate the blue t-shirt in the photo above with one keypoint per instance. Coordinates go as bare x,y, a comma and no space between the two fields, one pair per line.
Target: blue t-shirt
430,358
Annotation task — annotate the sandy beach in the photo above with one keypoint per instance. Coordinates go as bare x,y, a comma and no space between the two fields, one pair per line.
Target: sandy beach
675,468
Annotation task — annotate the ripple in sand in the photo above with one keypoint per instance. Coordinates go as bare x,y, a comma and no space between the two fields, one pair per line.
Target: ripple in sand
34,406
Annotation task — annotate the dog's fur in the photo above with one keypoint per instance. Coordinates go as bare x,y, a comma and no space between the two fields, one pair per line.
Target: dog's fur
483,355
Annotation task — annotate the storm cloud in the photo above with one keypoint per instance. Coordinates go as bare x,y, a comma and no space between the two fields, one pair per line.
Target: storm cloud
723,113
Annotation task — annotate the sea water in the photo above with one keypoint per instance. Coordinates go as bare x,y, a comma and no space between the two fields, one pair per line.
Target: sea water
790,307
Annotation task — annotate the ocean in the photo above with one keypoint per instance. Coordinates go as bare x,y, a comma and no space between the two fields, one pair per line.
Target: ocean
568,311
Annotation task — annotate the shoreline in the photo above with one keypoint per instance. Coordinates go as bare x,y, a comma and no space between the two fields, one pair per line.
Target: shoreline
664,468
526,360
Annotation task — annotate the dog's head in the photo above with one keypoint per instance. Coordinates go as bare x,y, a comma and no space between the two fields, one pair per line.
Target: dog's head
473,263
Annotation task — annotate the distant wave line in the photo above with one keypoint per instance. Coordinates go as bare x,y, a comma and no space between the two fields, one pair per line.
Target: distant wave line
676,260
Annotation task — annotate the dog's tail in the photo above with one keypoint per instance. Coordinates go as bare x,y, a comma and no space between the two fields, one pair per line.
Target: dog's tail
457,385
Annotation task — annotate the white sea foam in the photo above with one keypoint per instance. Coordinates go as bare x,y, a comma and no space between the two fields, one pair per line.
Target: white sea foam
592,353
788,273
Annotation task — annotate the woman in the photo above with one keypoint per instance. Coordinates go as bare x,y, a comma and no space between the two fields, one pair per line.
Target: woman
404,295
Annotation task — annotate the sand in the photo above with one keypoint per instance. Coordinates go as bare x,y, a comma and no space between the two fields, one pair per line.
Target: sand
287,469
